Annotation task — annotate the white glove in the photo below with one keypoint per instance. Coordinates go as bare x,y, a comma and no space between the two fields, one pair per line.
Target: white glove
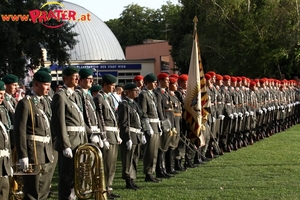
150,132
278,107
221,117
260,112
129,144
235,115
119,140
240,114
12,171
282,107
95,139
24,163
265,110
68,153
213,119
269,109
105,144
251,113
247,113
144,141
231,116
282,111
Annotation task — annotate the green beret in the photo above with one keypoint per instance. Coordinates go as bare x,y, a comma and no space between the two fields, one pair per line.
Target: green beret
150,77
68,71
10,78
42,76
45,69
2,85
109,79
95,88
129,86
85,72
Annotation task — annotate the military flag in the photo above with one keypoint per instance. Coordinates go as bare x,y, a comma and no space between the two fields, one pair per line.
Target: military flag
196,104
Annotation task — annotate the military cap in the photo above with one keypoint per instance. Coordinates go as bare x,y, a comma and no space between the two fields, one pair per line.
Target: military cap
162,76
10,78
68,71
138,78
95,88
42,76
173,80
262,80
226,77
45,69
174,75
2,85
109,79
212,73
233,79
129,86
239,79
150,77
85,72
207,76
219,77
183,77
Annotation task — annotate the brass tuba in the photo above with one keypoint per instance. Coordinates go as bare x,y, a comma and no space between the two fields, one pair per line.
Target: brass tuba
89,173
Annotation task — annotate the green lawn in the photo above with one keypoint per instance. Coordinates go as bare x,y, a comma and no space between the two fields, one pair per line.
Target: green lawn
269,169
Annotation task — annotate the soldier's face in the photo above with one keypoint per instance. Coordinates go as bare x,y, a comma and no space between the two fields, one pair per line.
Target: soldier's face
173,86
109,88
86,83
72,81
44,88
132,94
164,83
139,83
12,88
151,85
2,92
183,84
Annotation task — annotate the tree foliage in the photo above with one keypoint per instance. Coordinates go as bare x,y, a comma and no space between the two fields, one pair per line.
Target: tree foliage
22,42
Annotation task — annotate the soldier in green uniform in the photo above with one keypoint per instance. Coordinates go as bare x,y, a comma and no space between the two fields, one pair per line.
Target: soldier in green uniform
5,158
147,101
106,113
33,137
131,133
48,70
11,86
69,129
95,89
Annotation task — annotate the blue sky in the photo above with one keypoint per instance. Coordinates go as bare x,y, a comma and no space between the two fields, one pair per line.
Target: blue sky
111,9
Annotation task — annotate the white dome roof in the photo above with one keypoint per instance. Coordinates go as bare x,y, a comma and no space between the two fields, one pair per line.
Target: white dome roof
95,40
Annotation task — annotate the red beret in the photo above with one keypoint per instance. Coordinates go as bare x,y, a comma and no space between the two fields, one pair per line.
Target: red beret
211,73
219,77
138,78
243,78
256,80
174,75
207,76
226,77
162,76
183,77
233,79
173,80
239,79
252,83
262,80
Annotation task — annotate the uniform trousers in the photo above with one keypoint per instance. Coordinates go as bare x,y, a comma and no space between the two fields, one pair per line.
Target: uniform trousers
110,162
129,165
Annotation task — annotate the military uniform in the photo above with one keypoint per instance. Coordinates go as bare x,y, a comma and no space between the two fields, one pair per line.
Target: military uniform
5,157
33,141
70,131
131,133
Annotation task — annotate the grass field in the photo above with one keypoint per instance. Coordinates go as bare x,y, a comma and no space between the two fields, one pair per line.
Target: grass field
269,169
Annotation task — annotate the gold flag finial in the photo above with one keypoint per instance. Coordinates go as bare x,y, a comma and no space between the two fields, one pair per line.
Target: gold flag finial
195,20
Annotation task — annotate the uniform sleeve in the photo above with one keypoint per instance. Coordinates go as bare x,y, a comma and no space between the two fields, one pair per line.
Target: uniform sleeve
142,101
124,121
59,122
20,127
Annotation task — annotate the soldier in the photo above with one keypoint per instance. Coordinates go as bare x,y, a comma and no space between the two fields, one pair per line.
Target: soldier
11,86
95,89
138,80
48,70
106,113
148,102
165,113
33,138
69,128
5,158
177,111
131,133
180,152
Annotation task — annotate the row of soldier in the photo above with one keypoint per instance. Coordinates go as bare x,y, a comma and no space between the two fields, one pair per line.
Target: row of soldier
149,115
